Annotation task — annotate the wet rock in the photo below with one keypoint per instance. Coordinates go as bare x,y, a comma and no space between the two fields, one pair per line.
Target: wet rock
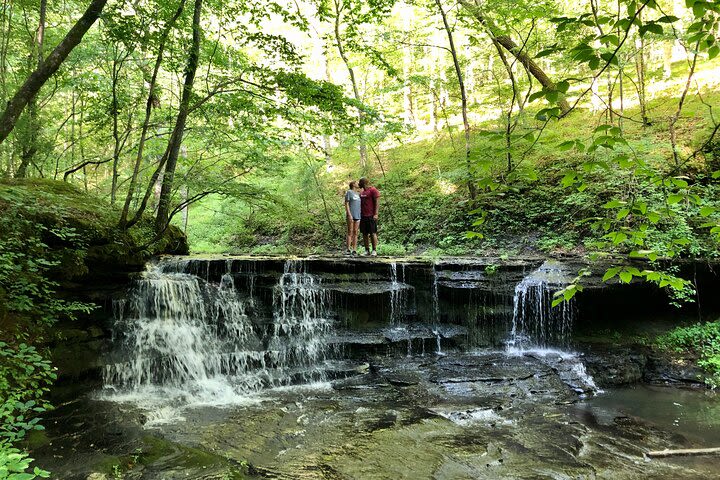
97,476
611,366
666,369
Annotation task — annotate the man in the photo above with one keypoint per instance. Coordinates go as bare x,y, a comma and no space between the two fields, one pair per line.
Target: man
369,205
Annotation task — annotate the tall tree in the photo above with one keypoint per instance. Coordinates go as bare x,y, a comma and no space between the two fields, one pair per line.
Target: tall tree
151,100
30,143
339,11
474,7
34,82
173,148
472,189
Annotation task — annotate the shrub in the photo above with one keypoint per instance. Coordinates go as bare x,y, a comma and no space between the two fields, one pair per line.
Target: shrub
701,340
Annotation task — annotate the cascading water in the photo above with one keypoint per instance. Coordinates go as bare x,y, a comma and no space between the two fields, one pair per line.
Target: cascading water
180,337
184,340
536,323
301,323
398,294
435,296
544,331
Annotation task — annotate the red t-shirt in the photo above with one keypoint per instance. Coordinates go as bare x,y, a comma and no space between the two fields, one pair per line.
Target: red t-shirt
368,201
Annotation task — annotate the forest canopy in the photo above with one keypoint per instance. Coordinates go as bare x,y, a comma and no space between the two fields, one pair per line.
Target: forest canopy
574,126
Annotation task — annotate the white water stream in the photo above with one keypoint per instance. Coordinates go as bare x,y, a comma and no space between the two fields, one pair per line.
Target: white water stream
181,339
184,340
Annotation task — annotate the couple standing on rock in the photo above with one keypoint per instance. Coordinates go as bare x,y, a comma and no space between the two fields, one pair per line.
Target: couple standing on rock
361,208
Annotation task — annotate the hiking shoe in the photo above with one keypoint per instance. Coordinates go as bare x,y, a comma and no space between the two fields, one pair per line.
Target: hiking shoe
373,254
347,252
366,253
354,253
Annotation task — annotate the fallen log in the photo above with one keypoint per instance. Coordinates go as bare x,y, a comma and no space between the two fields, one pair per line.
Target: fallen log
684,451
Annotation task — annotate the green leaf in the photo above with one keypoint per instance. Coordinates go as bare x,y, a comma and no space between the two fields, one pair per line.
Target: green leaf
674,198
698,9
614,204
563,86
678,182
707,211
610,58
610,39
625,276
546,52
713,51
681,241
536,95
618,237
651,27
611,273
568,179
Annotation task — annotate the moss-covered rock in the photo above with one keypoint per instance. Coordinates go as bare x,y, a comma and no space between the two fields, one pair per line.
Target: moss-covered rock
81,229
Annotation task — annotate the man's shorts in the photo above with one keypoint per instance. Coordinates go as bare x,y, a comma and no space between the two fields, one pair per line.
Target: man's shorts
368,225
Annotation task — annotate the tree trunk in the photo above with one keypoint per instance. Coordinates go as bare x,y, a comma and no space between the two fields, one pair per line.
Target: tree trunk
353,81
146,125
327,144
640,69
508,116
116,68
173,148
37,79
433,74
30,143
408,114
472,190
517,51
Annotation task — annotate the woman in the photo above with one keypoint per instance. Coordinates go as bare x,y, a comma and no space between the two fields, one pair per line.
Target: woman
352,217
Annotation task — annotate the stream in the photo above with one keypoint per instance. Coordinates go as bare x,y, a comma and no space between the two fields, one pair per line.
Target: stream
329,369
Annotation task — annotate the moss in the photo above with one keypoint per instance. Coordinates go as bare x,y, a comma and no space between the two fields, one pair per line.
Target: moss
156,451
82,229
36,439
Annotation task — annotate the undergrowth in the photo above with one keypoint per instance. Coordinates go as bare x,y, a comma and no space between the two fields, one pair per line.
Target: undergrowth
701,340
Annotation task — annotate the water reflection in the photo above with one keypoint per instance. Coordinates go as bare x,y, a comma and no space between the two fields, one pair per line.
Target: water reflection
694,414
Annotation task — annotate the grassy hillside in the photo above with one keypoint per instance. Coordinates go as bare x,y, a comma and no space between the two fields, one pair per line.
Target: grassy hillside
425,207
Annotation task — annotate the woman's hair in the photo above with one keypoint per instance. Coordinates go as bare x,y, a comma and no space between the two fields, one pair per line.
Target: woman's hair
353,184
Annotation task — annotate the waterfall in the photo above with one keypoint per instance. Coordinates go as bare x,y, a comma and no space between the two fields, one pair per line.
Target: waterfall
180,337
301,322
435,296
535,323
398,294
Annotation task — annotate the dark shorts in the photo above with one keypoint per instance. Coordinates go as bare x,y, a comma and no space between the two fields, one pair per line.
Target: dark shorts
368,225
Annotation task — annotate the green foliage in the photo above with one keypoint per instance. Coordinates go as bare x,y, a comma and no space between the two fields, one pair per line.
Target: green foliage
14,465
701,340
25,377
48,228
